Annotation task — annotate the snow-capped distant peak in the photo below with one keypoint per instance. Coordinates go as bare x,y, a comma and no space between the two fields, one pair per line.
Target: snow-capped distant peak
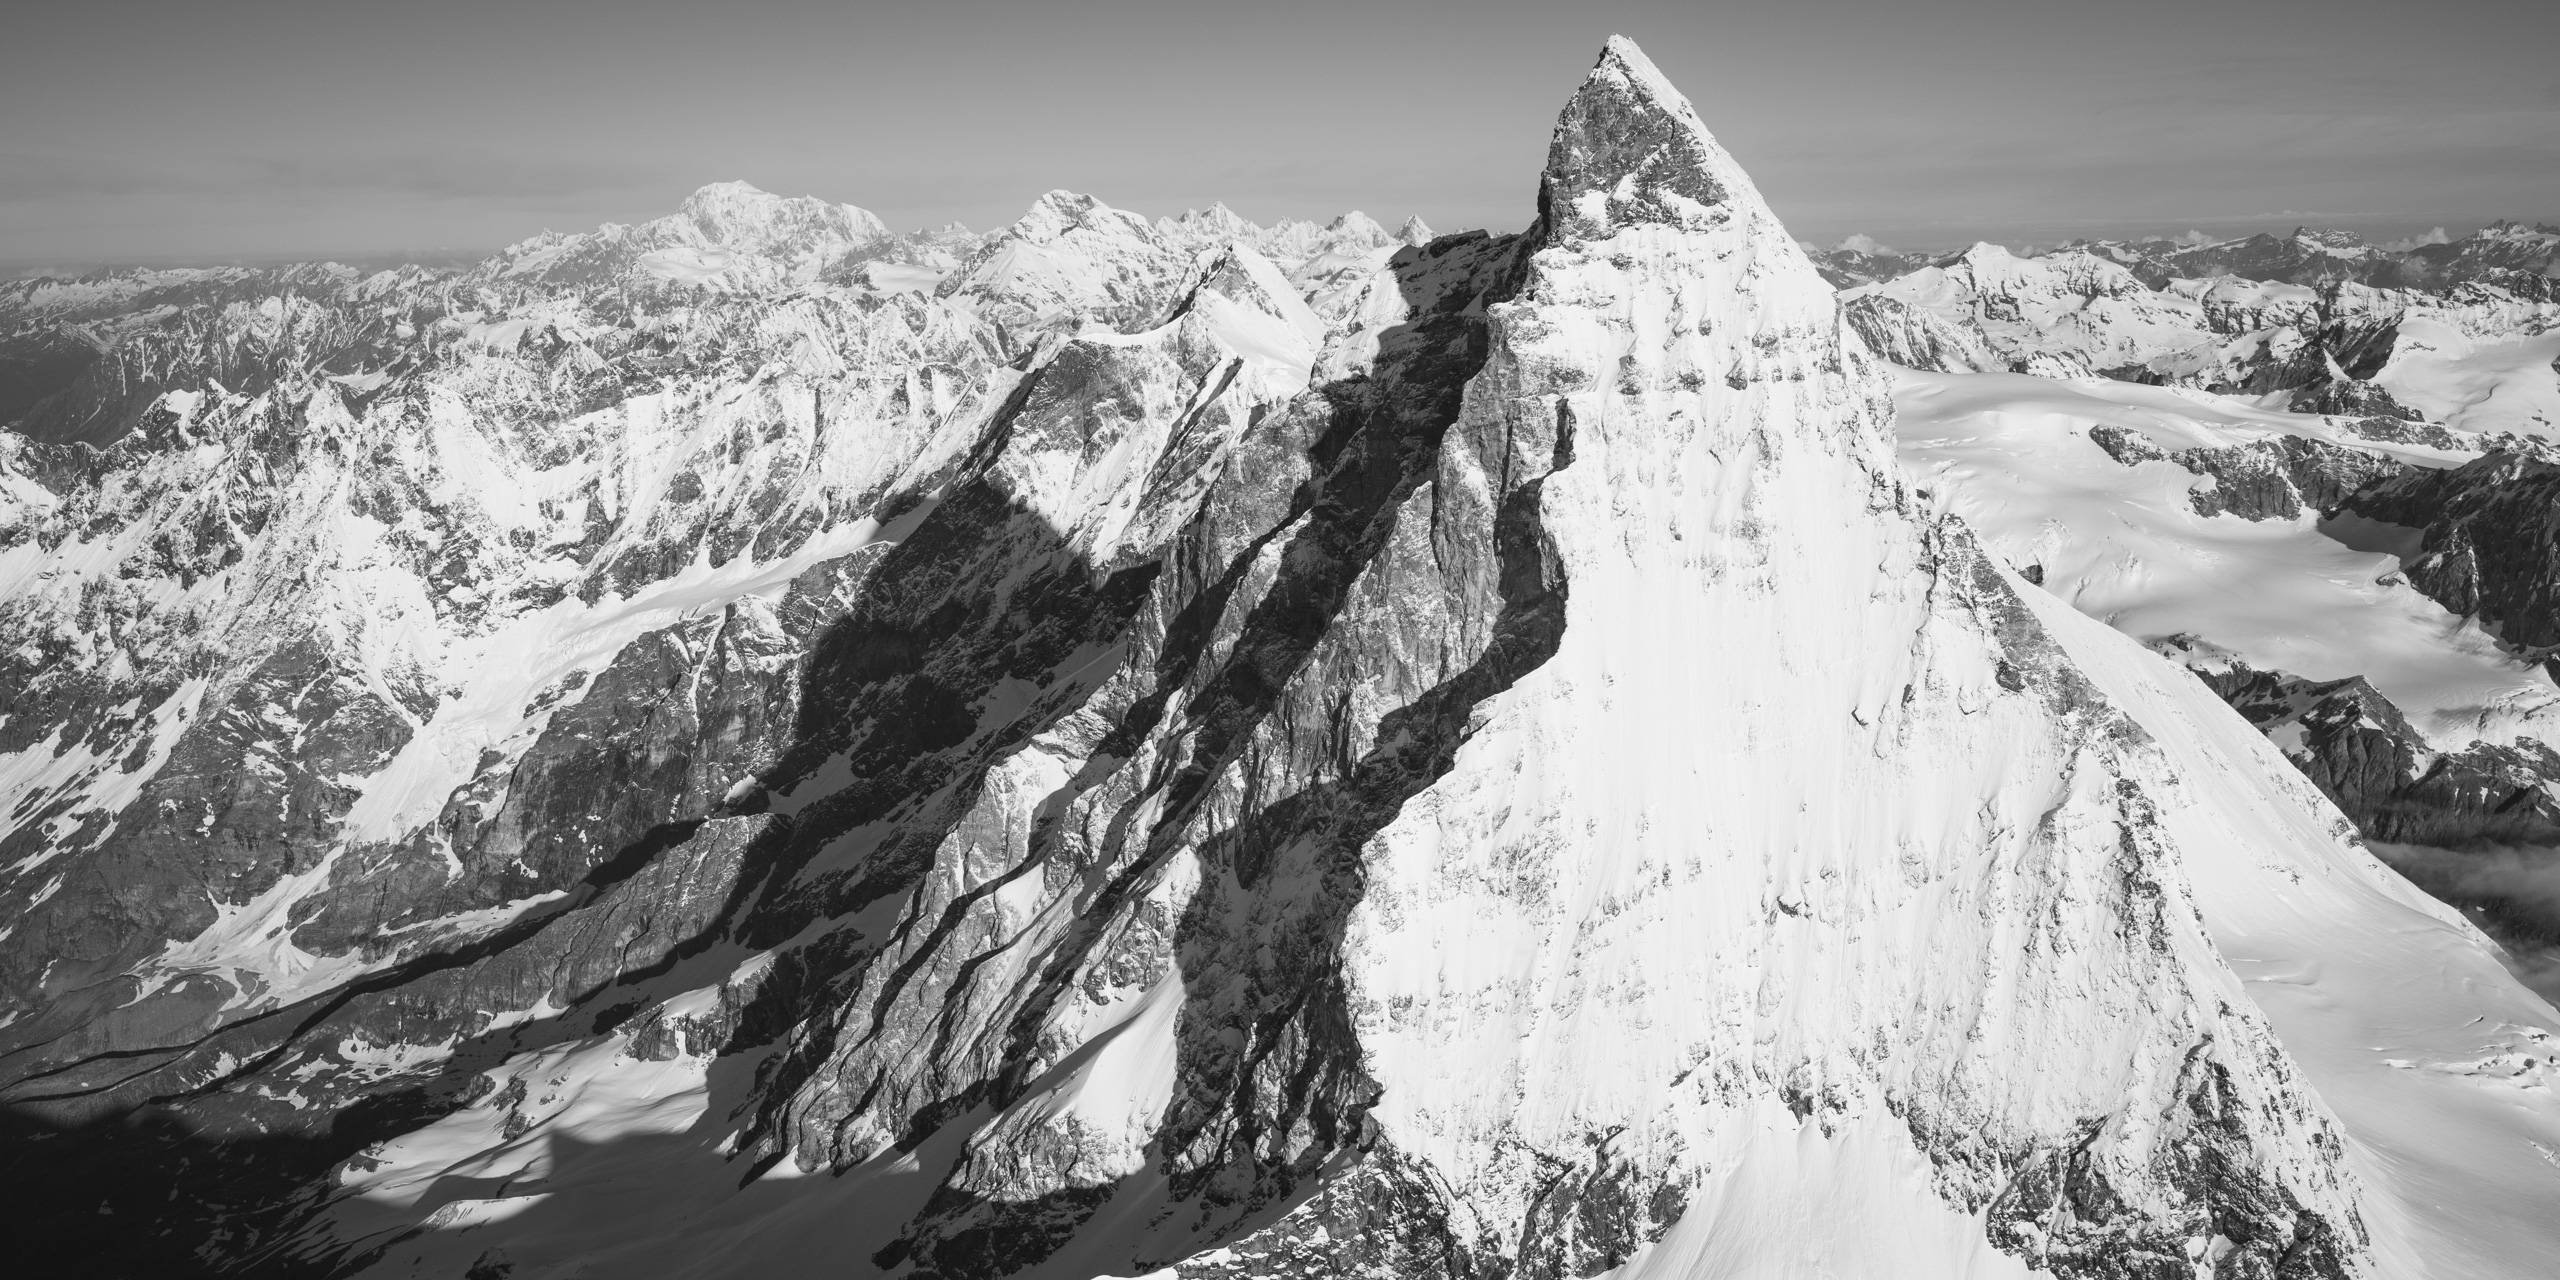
738,214
1356,225
1058,213
1213,225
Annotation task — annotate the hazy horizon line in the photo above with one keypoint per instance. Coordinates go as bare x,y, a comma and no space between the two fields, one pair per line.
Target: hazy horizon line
1917,239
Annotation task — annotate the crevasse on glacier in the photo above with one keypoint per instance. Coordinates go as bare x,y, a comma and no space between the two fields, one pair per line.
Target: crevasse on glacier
748,745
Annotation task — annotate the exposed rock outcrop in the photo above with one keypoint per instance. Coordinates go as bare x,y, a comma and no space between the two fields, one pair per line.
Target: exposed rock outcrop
2490,542
2278,478
2362,753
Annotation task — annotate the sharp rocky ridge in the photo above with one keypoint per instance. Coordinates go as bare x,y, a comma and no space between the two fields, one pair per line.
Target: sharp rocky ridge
752,744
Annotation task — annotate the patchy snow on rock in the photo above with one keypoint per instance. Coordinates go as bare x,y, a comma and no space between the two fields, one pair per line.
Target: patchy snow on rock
496,680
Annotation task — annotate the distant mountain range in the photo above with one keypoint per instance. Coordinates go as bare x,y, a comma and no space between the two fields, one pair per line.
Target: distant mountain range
2510,255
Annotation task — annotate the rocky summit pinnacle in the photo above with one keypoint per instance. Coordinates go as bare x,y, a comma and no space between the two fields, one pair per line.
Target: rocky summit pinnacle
1629,147
753,746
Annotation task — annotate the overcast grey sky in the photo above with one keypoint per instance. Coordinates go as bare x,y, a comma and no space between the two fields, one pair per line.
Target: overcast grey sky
135,129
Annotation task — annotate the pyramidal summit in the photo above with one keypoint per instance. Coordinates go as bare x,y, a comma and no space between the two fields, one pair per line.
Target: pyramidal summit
756,745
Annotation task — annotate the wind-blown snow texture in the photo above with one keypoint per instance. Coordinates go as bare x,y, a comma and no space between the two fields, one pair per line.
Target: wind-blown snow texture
754,745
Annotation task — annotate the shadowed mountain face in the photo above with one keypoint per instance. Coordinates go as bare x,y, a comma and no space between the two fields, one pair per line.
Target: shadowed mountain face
752,745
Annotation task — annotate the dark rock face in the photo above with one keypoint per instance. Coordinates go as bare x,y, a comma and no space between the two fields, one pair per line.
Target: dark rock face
1616,161
2277,479
2491,542
2060,1212
1908,336
2352,398
1269,1087
2339,347
2128,447
2363,754
2280,479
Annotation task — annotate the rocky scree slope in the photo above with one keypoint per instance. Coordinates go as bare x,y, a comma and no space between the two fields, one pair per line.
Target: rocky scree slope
751,745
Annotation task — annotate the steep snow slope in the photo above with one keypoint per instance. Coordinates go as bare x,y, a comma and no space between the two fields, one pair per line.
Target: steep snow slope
1670,839
2440,1068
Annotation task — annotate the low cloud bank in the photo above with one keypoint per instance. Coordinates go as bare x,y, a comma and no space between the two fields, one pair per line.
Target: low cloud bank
2512,893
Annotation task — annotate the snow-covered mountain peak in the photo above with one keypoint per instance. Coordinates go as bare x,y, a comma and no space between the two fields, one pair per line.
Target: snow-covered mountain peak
1069,260
2337,243
1216,221
1982,254
1629,148
1359,226
1059,214
1722,482
1992,268
737,215
727,236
